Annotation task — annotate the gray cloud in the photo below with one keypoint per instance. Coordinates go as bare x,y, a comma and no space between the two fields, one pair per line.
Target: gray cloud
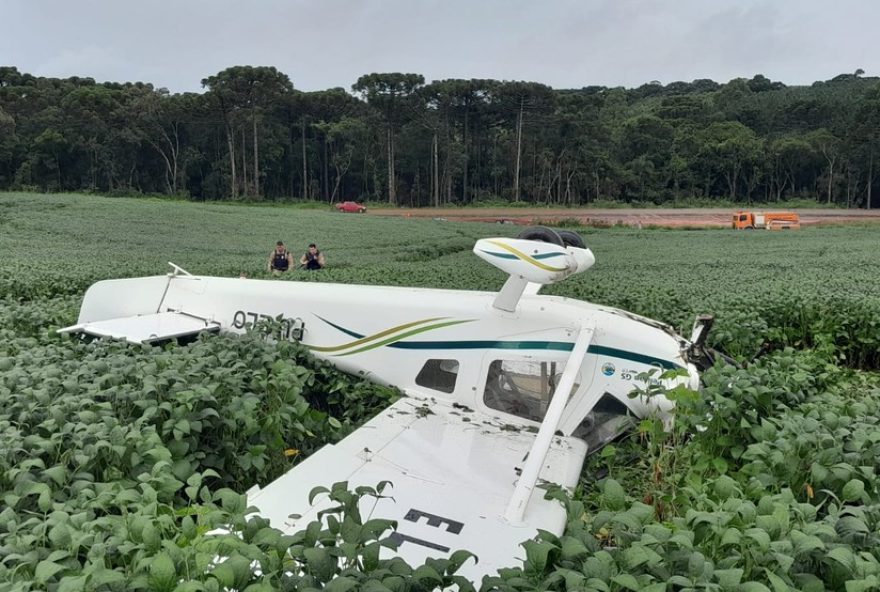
326,43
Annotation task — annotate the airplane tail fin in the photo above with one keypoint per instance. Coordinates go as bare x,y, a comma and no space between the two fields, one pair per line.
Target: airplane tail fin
133,310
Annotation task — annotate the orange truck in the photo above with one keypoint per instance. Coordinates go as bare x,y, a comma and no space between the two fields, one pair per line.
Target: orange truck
767,220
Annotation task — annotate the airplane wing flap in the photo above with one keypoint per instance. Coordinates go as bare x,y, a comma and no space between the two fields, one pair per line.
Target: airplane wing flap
146,328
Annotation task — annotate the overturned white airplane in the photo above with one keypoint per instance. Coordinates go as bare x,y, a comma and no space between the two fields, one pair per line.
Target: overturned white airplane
480,429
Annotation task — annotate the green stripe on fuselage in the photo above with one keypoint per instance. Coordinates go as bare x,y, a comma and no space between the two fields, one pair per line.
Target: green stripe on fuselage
512,256
598,350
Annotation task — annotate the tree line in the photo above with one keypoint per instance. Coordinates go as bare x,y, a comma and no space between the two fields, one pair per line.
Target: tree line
393,137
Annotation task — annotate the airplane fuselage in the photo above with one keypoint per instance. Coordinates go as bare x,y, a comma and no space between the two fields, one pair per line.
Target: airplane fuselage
479,381
389,334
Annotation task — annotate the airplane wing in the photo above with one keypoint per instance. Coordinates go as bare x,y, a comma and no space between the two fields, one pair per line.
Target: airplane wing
453,473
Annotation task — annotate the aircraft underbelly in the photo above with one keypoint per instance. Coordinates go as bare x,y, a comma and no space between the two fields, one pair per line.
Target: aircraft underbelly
453,473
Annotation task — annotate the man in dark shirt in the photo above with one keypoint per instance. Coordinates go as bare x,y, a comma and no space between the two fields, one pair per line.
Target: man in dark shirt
313,258
280,258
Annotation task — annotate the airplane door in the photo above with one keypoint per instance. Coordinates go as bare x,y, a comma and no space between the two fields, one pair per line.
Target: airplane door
521,384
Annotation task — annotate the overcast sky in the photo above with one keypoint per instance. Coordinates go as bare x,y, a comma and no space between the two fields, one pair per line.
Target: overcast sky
325,43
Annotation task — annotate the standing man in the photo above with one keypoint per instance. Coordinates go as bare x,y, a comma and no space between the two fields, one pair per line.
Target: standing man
313,258
280,259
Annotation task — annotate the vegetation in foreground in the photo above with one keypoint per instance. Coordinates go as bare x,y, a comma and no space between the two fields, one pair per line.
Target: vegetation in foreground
117,460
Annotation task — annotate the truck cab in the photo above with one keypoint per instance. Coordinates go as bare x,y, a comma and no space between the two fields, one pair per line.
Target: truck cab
742,220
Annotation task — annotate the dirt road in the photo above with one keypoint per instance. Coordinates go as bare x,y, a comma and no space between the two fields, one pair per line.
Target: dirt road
672,218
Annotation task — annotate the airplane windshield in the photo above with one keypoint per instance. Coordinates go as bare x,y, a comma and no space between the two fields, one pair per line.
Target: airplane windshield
607,421
522,387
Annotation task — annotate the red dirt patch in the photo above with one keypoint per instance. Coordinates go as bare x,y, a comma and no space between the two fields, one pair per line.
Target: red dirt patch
637,217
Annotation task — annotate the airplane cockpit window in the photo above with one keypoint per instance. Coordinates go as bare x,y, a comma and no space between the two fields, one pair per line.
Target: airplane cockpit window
522,387
609,419
439,375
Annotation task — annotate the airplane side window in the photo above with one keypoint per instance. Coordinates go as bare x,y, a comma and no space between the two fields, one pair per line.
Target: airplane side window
522,388
609,419
439,375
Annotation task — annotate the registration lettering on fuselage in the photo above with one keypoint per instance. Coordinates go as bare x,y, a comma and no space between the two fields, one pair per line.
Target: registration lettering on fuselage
291,328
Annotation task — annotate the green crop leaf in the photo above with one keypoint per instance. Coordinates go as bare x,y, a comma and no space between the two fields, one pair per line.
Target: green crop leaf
537,556
572,548
106,577
728,578
427,575
225,575
370,556
853,490
778,583
639,555
724,487
72,584
46,570
760,537
56,474
863,585
259,587
844,556
627,582
315,492
341,584
614,494
459,558
731,536
320,563
162,573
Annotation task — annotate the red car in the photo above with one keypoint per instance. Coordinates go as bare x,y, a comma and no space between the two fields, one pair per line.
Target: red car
351,206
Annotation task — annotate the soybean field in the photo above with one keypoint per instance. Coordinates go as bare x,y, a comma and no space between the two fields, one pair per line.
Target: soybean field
118,462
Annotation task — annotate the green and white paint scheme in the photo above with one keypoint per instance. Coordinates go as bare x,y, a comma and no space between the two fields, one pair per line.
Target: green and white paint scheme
463,479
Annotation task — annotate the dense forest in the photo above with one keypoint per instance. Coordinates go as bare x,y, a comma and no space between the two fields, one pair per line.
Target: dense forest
252,135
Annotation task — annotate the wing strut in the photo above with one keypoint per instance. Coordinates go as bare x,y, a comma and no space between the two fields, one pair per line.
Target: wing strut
529,477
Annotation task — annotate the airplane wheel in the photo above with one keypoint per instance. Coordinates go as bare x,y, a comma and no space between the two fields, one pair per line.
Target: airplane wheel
571,239
541,233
